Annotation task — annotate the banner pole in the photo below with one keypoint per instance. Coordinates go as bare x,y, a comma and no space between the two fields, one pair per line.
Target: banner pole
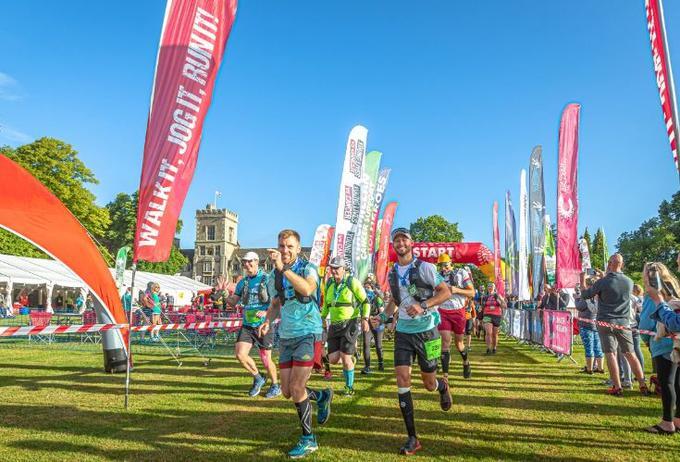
129,339
671,87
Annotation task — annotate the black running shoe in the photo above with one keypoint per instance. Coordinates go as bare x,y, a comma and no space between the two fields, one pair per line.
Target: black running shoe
381,366
445,400
366,371
467,370
411,446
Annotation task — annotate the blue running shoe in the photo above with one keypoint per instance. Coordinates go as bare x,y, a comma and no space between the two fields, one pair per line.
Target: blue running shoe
306,445
323,411
274,391
258,383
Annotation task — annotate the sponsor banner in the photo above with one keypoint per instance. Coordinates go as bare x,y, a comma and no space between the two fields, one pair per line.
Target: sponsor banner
382,257
121,261
536,214
568,264
363,254
511,274
349,200
498,280
192,44
523,258
319,245
585,254
378,198
664,73
557,326
549,254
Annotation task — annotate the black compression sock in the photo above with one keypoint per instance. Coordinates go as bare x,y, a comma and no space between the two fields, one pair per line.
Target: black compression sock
446,359
313,395
464,355
406,406
326,363
304,410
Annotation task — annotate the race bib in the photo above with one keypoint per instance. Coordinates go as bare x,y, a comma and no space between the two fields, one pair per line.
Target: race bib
433,349
252,317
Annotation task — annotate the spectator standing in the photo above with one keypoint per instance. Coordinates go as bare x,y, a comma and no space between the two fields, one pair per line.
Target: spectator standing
613,292
587,313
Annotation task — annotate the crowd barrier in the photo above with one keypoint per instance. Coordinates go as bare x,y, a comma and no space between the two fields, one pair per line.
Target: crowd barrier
548,328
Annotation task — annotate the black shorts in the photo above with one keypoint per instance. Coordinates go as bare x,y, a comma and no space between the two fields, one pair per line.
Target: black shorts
342,336
407,347
248,334
469,324
494,319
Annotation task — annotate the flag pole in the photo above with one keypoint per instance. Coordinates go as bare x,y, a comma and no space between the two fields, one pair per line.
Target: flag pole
671,87
129,339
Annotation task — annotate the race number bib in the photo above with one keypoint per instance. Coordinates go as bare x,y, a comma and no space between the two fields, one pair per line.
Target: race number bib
433,349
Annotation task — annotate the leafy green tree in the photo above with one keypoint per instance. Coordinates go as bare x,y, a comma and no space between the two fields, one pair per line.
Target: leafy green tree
435,228
597,251
657,239
56,165
588,239
121,232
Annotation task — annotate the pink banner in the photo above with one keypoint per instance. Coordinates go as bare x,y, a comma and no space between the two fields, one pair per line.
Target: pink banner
557,327
384,247
568,257
192,43
663,72
500,284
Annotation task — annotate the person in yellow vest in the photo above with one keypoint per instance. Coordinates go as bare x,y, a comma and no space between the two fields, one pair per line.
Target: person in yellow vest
347,304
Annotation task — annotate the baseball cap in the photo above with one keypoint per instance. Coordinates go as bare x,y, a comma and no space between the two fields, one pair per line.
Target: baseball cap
337,262
250,256
402,231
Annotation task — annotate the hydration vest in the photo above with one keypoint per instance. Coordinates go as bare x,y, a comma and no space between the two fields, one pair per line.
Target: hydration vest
424,290
262,292
278,284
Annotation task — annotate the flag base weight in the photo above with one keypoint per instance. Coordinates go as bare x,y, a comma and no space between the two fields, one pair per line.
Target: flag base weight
115,360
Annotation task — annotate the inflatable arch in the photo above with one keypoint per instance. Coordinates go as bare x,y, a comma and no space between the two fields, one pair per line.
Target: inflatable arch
474,253
30,210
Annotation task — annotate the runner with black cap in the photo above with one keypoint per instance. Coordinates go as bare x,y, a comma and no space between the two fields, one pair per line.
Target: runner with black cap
417,290
346,302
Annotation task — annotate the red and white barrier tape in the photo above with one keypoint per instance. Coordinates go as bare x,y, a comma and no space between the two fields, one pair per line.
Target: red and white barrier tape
616,326
16,331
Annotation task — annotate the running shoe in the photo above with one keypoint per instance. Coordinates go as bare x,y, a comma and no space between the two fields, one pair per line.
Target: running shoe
349,391
613,391
323,404
488,352
599,371
493,352
411,446
366,371
274,391
328,375
258,383
644,390
305,446
585,370
627,385
445,400
467,370
381,366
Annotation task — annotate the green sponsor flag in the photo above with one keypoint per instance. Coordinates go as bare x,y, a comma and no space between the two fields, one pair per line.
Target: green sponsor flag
550,260
362,253
121,261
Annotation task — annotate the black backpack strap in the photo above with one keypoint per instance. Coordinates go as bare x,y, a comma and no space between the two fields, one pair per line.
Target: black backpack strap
278,285
394,285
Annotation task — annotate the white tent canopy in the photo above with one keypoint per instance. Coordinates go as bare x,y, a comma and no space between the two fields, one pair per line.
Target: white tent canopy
39,271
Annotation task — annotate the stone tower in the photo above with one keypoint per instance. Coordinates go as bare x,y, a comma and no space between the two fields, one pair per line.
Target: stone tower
216,241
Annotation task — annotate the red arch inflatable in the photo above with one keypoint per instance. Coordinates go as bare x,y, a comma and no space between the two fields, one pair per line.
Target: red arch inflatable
30,210
474,253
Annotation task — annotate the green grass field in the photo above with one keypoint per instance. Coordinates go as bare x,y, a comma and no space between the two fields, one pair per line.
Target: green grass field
520,405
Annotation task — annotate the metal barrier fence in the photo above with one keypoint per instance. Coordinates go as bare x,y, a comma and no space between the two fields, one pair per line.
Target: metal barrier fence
553,330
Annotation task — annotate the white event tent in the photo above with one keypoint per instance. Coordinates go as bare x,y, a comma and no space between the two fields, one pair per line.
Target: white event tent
38,273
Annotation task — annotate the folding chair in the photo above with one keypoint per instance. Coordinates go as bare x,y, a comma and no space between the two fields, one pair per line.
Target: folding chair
90,317
40,319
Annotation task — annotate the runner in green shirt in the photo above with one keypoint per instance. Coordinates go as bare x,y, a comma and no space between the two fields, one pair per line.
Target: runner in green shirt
346,302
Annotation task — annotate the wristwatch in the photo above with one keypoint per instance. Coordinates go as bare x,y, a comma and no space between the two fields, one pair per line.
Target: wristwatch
423,305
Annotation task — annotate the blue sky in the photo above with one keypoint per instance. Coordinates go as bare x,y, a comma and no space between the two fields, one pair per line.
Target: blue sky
455,94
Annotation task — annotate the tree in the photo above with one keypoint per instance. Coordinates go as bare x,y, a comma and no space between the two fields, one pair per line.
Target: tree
56,165
657,239
597,251
588,239
435,228
121,232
